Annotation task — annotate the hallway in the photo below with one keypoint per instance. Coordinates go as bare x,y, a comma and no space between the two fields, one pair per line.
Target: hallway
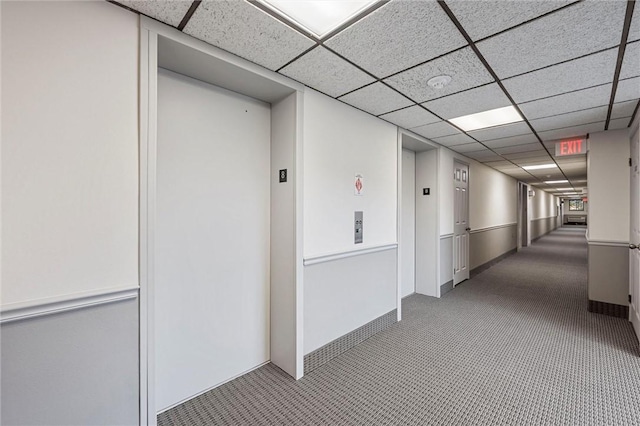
513,345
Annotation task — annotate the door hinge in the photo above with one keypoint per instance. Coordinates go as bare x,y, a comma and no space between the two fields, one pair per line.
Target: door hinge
630,162
629,298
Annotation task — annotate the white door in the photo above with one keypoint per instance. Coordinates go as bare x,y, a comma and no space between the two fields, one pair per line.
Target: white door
408,240
634,252
211,292
461,222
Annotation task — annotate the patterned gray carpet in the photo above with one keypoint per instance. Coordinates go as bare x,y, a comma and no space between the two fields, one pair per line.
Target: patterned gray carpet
515,345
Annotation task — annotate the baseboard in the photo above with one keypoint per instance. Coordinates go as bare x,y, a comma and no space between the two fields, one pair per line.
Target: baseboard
610,309
446,288
478,269
342,344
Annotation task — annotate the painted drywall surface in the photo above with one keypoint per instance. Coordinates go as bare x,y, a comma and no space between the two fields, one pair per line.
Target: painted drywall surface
446,259
283,255
608,176
342,295
543,205
490,244
493,197
408,232
70,149
339,142
427,238
212,237
609,274
72,368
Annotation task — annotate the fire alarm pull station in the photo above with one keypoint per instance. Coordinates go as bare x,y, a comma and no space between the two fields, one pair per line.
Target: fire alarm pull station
358,228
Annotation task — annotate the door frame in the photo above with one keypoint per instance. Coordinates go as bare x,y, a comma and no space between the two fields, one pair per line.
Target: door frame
453,245
261,84
634,255
523,223
414,142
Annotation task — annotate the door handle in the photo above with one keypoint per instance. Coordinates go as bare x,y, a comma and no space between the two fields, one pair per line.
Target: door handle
633,247
468,229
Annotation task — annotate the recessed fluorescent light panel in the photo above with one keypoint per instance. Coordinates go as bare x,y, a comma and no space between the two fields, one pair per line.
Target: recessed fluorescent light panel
555,181
539,166
564,189
319,17
491,118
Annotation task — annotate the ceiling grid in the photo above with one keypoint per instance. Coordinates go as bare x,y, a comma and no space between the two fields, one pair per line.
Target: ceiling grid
570,68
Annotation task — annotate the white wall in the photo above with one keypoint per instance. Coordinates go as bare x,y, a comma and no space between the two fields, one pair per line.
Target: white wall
608,177
543,205
408,237
283,225
427,236
344,294
69,149
212,264
69,211
492,197
340,141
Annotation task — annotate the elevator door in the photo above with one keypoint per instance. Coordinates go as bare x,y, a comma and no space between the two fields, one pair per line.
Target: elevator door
211,292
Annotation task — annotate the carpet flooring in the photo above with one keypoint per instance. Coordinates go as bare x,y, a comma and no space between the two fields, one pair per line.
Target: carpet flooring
515,345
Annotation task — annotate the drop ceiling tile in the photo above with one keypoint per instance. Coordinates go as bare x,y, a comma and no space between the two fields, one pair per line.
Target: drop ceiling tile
479,99
482,155
520,148
577,74
510,141
410,117
586,116
577,30
397,36
572,160
570,132
504,131
631,61
242,29
469,147
619,123
628,89
457,139
499,164
532,157
376,99
623,109
484,18
463,66
326,72
436,130
567,102
169,12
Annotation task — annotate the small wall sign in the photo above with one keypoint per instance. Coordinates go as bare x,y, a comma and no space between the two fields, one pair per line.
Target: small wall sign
358,188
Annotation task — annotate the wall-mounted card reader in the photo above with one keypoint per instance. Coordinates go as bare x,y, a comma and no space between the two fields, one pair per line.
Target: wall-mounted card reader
358,228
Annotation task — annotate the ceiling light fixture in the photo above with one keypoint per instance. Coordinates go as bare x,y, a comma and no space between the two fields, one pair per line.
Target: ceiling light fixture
539,166
491,118
319,17
564,189
555,181
438,82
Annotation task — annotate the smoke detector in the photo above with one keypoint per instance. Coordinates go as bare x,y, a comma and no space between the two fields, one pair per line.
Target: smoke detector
439,81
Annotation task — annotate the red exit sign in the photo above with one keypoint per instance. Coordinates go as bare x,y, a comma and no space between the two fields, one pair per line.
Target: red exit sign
571,147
